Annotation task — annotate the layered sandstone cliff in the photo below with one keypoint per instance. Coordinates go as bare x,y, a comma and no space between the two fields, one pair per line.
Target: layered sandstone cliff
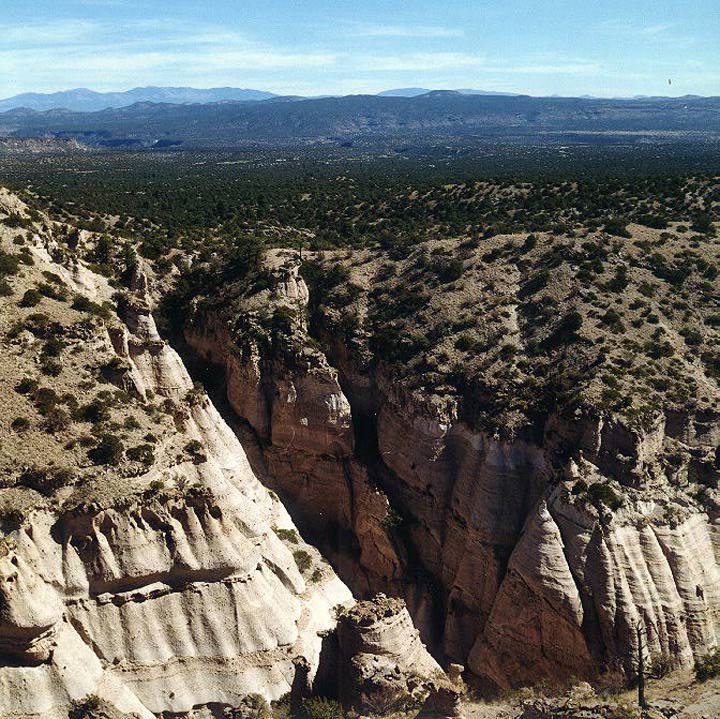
525,555
160,586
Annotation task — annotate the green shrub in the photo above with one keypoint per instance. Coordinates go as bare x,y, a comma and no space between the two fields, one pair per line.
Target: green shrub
580,487
613,320
94,412
156,486
6,289
600,493
46,480
283,319
16,221
449,269
322,708
20,424
26,257
691,336
45,399
465,342
31,298
131,423
654,221
195,449
53,347
142,453
617,227
646,289
56,420
196,395
703,222
84,708
619,281
109,450
302,559
708,667
529,244
9,264
51,368
83,304
252,706
565,332
392,519
660,666
288,535
54,292
26,385
658,350
42,326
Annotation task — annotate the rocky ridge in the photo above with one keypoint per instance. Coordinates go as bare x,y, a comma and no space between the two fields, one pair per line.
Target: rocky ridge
158,585
549,542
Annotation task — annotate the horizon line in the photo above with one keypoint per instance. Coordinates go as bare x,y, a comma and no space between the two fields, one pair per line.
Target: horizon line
320,95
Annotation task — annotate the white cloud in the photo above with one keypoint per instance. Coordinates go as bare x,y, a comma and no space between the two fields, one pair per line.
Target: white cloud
655,30
435,61
408,31
658,33
47,34
416,61
578,68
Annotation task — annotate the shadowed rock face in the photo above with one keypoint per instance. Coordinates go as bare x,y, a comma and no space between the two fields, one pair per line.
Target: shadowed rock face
160,605
181,586
506,562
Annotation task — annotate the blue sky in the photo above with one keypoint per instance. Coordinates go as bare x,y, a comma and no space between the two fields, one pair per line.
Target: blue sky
570,47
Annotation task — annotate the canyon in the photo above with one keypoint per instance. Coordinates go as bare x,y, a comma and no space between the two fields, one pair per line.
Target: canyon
504,566
168,589
330,517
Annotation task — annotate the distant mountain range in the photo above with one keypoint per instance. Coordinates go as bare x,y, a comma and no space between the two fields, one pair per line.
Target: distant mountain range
82,100
372,121
417,91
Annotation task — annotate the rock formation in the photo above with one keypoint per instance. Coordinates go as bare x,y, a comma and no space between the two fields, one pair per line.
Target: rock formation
526,557
383,665
176,587
301,415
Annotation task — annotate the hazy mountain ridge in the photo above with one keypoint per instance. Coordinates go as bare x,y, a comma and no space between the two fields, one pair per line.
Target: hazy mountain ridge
417,91
368,118
84,100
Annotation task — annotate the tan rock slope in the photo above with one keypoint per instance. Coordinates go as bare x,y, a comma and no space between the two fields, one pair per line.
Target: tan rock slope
524,555
159,585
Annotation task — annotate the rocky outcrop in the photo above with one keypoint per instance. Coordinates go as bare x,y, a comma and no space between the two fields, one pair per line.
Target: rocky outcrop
382,663
174,584
527,556
172,595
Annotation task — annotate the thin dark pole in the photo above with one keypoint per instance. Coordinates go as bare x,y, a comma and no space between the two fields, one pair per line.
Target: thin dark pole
641,669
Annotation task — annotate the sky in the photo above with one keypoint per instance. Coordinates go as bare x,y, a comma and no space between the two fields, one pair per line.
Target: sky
312,47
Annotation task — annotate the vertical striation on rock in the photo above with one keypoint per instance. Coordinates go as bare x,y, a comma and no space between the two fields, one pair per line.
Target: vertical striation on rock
526,555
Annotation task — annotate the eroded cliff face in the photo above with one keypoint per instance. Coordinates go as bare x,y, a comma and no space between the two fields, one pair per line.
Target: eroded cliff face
303,420
163,601
525,556
160,590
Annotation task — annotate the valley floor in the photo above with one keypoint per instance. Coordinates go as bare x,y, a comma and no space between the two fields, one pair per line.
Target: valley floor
677,695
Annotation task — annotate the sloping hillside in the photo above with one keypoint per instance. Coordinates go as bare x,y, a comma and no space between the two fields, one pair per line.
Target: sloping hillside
142,565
